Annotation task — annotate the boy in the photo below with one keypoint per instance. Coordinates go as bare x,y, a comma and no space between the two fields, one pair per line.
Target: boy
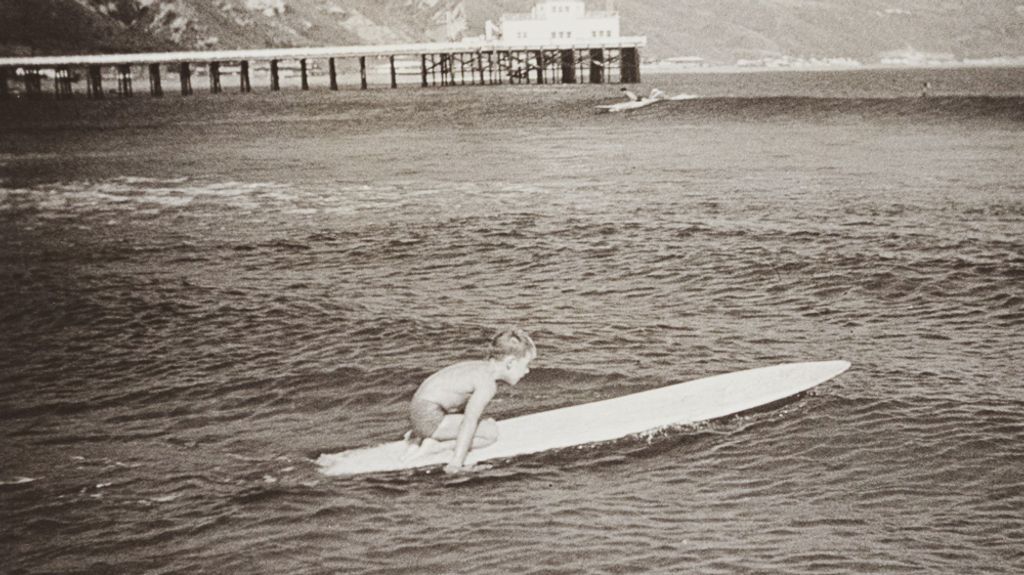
448,405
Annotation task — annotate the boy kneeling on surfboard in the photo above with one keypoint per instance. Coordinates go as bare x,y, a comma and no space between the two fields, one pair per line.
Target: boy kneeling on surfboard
448,405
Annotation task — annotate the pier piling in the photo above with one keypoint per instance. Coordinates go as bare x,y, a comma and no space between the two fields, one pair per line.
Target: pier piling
124,80
394,74
94,83
4,93
62,83
629,66
244,86
185,75
275,80
497,76
33,82
333,72
511,67
305,74
568,67
214,71
362,73
444,69
596,66
156,89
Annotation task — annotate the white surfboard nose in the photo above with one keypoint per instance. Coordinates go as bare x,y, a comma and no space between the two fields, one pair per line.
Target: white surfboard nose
835,367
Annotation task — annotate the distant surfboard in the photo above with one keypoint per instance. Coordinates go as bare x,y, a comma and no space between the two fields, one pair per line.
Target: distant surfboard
631,105
642,103
679,404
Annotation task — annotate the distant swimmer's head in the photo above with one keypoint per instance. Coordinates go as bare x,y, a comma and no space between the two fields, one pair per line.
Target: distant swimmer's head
513,350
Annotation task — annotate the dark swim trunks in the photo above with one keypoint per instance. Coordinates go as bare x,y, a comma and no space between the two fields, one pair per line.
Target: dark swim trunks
425,416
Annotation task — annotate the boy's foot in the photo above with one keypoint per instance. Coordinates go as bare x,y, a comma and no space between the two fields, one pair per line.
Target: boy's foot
426,446
430,445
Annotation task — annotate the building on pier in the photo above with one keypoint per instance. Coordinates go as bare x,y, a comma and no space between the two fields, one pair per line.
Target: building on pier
554,20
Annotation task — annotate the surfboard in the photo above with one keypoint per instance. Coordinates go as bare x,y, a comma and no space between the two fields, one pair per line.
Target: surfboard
631,105
606,420
643,103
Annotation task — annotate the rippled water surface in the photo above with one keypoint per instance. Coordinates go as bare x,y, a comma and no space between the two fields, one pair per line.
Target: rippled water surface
199,295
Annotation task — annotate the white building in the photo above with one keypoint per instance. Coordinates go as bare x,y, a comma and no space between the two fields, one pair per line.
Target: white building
565,20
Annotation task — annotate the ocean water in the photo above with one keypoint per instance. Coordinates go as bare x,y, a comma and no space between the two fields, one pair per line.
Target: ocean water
199,295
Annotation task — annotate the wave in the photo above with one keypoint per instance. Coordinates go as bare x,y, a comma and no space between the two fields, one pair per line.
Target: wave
939,108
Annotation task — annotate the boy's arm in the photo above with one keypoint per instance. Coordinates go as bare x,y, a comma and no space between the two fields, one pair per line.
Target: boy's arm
470,419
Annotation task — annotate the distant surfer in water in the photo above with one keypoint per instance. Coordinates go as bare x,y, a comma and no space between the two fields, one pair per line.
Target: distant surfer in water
656,94
449,404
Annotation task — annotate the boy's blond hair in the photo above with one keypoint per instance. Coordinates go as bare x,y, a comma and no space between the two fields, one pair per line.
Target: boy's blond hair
513,342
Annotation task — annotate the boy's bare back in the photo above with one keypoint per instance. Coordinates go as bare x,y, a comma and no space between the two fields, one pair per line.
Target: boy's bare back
452,386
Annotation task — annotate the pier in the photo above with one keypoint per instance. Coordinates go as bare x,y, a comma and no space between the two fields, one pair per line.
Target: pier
596,61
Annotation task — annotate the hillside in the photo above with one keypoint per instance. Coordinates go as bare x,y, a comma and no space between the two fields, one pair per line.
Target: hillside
866,30
725,31
78,26
718,31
